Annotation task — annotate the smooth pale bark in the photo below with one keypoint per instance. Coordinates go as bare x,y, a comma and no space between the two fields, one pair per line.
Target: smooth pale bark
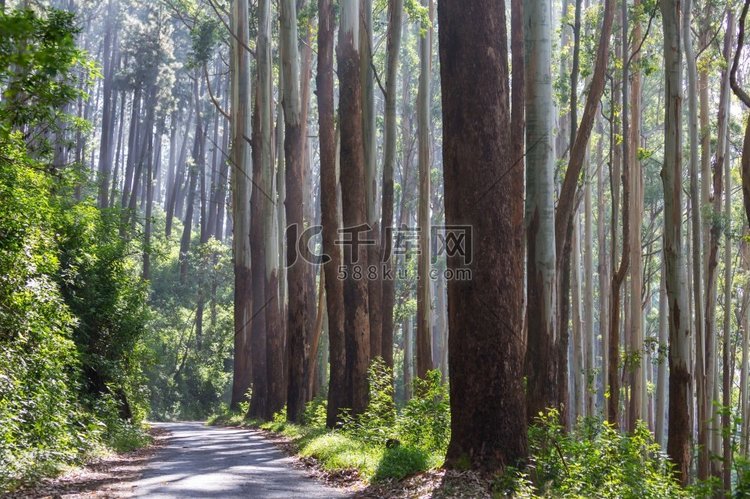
118,152
712,339
577,369
618,277
357,325
330,213
393,49
702,399
424,283
369,143
180,167
540,363
567,198
679,437
241,171
482,189
602,264
727,345
588,295
635,346
274,303
294,180
661,376
315,339
151,173
196,171
108,110
723,160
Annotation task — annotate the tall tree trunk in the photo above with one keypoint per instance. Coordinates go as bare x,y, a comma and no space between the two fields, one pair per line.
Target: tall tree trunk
393,48
374,270
483,190
588,293
723,159
636,346
353,204
567,199
294,179
679,438
196,170
618,277
330,213
241,171
424,283
108,110
541,365
661,379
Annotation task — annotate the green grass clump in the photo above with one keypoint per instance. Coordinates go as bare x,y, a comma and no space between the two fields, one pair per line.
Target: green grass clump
418,434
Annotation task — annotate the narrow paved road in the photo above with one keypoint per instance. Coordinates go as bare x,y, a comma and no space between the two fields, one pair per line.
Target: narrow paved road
202,461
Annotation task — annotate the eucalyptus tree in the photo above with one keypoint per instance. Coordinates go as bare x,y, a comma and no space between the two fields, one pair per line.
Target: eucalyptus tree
393,49
353,195
241,171
679,432
330,212
294,182
540,210
482,189
424,284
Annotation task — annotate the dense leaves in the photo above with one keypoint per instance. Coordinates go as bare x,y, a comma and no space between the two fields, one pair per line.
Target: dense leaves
71,306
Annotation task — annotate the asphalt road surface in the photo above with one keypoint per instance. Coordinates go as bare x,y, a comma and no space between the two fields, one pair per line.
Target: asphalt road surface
203,461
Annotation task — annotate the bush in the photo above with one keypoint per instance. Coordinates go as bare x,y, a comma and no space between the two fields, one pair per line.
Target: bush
596,460
377,423
425,421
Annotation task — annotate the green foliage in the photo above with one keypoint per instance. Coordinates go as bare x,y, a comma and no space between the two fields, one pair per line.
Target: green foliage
425,420
71,307
189,377
595,460
375,424
380,443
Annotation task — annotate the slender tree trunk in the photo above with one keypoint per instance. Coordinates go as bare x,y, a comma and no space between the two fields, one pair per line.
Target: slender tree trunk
196,170
393,48
424,283
618,277
723,161
679,438
330,213
296,266
661,379
589,368
374,270
241,171
636,346
703,404
108,110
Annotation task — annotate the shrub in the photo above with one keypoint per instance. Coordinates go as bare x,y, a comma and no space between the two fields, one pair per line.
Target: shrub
596,460
425,420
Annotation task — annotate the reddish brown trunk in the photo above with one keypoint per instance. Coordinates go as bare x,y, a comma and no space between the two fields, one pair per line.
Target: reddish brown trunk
483,190
357,325
258,340
329,209
296,273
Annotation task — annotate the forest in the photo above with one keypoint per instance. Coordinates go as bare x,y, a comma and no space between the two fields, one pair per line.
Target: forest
506,239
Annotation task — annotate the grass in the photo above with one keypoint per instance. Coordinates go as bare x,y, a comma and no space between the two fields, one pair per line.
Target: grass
337,450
